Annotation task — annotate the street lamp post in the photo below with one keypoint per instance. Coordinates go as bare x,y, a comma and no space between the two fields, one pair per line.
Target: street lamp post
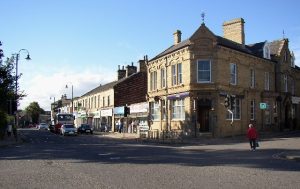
72,98
16,95
52,111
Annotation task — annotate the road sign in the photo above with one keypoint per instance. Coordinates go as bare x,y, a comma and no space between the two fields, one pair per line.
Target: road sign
263,106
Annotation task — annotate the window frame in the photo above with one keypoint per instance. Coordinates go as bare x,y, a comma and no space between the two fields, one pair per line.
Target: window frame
178,109
237,110
163,77
267,81
233,76
252,78
199,72
155,110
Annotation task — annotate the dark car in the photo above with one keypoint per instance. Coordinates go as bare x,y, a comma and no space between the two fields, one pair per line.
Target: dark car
85,128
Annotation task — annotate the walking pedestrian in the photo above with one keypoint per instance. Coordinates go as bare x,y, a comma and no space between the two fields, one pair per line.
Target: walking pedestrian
9,130
15,132
252,136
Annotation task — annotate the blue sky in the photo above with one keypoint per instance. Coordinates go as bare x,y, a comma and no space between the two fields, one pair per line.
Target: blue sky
82,42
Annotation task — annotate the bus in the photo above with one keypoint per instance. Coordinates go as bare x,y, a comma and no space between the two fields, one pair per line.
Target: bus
62,118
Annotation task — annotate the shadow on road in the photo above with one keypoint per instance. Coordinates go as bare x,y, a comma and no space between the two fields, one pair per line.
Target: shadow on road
95,149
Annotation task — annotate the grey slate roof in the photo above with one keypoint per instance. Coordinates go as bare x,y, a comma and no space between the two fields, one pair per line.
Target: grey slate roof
107,86
173,48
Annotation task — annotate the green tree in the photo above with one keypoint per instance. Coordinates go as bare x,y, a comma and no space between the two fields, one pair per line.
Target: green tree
6,90
34,111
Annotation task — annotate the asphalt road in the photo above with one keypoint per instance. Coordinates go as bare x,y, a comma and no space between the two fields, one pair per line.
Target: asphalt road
47,160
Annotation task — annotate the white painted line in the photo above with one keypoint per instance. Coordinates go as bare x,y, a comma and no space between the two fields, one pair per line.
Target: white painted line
106,154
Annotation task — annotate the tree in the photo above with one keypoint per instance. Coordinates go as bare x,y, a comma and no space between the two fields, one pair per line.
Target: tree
34,111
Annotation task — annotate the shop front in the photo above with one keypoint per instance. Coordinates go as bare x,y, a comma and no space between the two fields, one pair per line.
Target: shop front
138,118
96,120
106,119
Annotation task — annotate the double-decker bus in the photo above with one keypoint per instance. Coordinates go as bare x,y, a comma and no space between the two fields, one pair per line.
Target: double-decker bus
63,118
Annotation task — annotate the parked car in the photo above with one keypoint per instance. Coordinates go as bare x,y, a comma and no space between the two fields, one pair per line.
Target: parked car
42,126
68,129
85,128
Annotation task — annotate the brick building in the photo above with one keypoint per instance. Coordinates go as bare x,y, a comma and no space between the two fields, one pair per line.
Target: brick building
103,105
188,83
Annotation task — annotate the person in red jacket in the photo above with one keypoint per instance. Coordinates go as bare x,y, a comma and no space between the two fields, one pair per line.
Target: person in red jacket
252,136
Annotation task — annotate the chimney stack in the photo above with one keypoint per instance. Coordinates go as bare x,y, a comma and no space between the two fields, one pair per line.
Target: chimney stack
121,73
177,37
130,69
142,64
234,30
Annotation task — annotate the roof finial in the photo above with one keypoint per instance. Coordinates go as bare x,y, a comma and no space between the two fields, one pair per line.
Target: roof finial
283,34
202,16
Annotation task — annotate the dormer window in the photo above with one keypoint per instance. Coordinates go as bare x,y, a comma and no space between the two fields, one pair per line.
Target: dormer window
267,51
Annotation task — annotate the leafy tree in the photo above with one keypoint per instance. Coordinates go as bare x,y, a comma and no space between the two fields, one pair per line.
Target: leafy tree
34,111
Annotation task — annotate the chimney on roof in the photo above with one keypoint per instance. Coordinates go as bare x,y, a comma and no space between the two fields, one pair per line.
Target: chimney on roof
121,72
142,65
234,30
130,69
177,37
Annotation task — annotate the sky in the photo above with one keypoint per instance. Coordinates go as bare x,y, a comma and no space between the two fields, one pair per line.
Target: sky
82,42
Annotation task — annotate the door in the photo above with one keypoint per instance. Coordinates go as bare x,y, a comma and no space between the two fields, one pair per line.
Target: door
203,118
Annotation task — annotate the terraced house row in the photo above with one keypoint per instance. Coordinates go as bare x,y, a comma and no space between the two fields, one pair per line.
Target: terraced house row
184,87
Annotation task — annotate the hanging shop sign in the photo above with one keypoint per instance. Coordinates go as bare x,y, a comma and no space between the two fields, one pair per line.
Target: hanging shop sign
106,112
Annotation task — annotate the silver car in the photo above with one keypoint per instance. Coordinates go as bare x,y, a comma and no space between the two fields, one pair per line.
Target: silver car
68,129
43,126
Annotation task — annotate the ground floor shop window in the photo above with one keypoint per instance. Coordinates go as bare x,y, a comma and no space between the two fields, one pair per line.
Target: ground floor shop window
178,109
154,110
236,110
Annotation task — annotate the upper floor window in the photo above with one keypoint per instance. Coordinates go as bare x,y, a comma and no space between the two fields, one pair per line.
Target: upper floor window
179,71
98,101
233,74
153,81
204,71
103,101
176,74
267,81
163,78
108,101
252,78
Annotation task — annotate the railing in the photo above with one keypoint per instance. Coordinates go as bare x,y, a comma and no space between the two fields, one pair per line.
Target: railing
172,136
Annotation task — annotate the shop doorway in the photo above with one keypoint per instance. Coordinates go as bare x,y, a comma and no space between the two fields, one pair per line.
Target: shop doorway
204,107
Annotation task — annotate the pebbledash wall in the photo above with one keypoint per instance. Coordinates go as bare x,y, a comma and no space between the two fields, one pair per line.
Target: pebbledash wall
188,82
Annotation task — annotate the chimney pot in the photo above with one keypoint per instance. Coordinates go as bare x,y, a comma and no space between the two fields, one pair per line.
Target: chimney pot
177,37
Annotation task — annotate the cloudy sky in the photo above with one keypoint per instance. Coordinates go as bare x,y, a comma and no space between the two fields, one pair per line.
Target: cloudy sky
82,42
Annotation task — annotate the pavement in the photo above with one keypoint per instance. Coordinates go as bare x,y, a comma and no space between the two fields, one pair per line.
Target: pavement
8,141
292,155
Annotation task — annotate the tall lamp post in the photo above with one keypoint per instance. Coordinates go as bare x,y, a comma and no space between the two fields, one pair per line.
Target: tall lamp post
52,112
16,95
72,97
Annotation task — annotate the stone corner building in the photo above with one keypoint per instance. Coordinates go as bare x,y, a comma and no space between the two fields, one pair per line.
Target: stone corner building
188,82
